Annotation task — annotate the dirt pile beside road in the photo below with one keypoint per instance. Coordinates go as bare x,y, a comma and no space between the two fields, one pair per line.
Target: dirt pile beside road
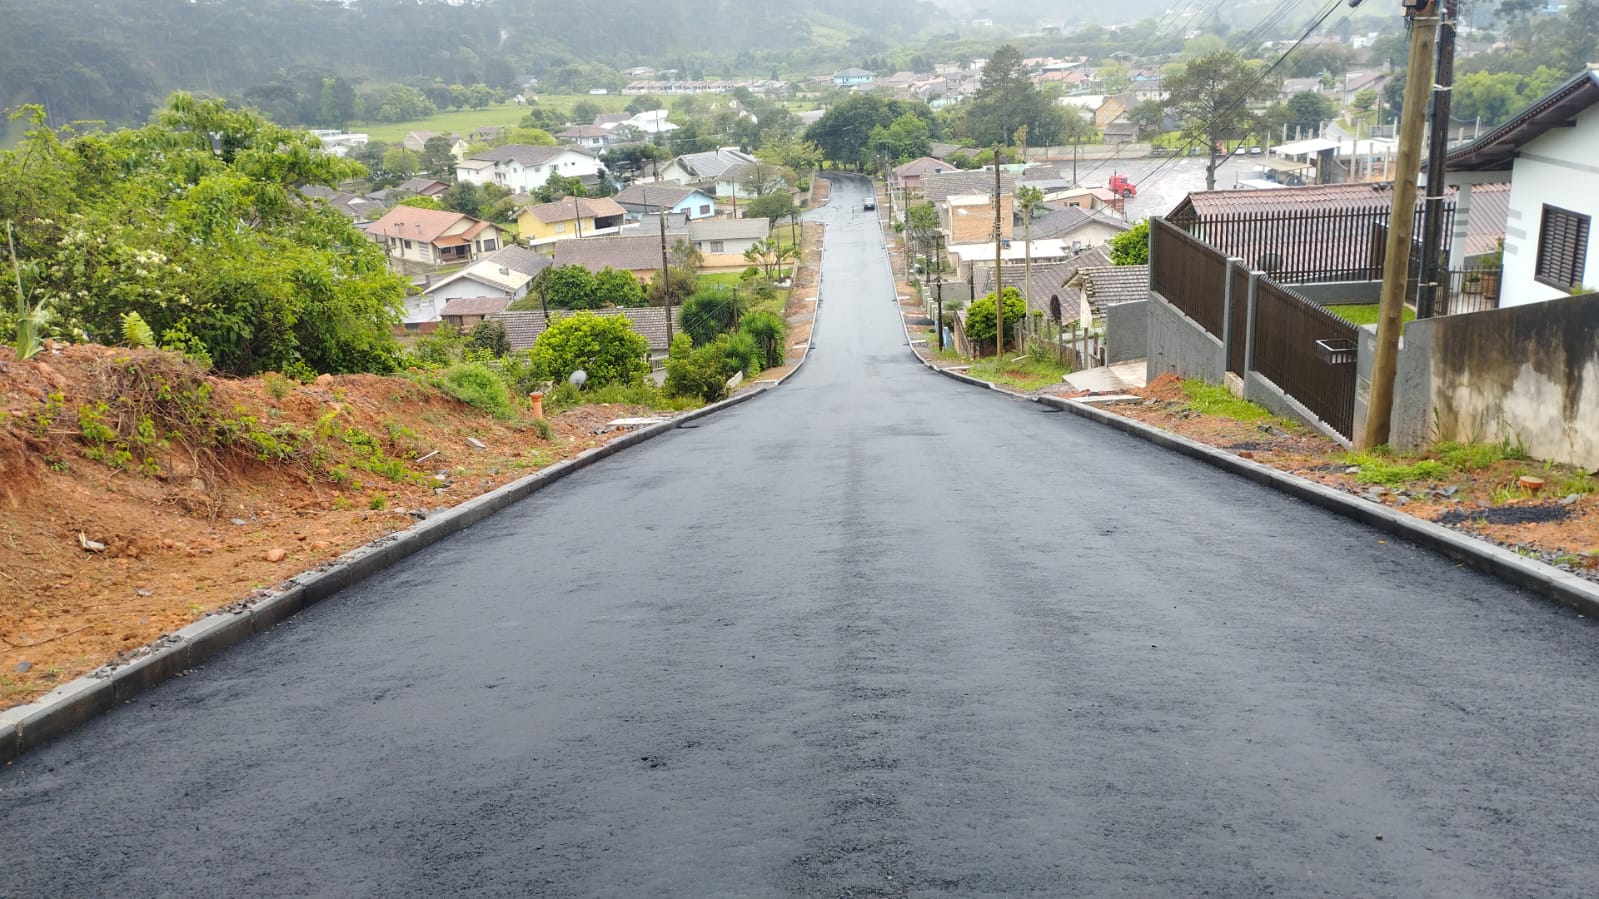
137,493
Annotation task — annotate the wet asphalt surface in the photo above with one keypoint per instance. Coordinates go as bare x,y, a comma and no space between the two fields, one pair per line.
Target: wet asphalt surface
874,634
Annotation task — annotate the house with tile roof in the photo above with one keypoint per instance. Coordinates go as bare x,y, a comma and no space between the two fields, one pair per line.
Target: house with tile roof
1077,226
639,254
434,237
424,187
722,242
937,186
523,167
465,312
654,197
908,176
524,328
568,219
508,273
590,137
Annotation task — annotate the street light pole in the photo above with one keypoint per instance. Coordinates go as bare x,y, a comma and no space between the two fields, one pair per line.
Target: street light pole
999,295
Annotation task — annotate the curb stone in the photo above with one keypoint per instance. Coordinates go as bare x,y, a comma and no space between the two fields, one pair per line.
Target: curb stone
74,703
1545,580
1530,574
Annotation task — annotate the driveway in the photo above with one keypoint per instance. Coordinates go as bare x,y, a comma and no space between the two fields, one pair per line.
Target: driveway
874,634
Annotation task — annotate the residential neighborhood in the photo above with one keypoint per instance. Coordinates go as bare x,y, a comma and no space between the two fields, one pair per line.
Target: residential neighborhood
891,449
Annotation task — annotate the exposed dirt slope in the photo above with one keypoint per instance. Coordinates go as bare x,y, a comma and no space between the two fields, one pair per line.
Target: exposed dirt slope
113,532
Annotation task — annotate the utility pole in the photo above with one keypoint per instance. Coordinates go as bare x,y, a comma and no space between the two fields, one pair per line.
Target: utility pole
999,295
577,214
938,286
1401,220
666,279
1437,149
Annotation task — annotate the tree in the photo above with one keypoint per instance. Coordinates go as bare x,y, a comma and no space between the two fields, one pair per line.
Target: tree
619,287
907,137
1028,199
1131,247
1148,116
421,203
760,178
790,150
488,336
437,159
569,287
401,161
1211,100
772,207
606,348
1006,100
1115,77
708,313
196,223
980,316
770,253
401,103
584,112
1306,111
557,187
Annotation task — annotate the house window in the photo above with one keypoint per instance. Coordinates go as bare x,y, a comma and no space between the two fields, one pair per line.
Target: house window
705,209
718,246
490,245
560,227
1562,248
408,245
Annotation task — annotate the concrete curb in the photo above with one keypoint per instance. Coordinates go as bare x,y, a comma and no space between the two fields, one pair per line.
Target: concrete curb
26,727
1545,580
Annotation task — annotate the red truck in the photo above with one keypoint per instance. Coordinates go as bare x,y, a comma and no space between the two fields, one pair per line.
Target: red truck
1120,186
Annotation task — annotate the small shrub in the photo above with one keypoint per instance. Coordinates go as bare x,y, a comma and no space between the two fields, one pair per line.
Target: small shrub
378,503
1381,468
489,337
606,347
478,386
980,317
136,333
442,347
769,332
744,354
706,314
277,386
700,372
543,428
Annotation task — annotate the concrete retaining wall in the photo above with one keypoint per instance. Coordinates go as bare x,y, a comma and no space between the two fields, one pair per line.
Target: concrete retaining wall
1126,331
1177,344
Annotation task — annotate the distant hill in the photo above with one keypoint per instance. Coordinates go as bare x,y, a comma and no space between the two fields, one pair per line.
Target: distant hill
115,59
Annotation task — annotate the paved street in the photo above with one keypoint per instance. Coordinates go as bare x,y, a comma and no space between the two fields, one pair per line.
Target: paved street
874,634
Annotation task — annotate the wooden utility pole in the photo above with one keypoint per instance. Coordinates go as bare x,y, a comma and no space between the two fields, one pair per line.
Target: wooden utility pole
938,286
999,258
666,279
1401,221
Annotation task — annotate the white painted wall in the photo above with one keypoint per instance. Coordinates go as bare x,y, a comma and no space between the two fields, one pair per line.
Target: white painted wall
517,177
1560,168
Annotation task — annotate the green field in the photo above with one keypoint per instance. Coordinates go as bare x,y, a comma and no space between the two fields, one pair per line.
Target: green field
461,121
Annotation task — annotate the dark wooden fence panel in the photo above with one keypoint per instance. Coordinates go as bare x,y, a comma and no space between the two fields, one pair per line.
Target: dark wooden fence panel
1189,274
1296,246
1308,352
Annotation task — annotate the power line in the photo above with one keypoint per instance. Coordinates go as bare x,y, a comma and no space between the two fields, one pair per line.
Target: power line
1325,14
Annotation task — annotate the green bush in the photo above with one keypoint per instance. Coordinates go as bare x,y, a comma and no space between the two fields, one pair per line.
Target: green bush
980,317
442,347
698,371
521,373
706,314
489,337
606,347
769,332
1131,247
478,386
744,354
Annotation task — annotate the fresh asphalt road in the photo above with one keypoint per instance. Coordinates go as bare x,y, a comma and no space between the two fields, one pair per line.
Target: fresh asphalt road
873,634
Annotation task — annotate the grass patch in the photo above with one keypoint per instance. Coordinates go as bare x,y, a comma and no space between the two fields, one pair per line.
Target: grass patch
647,394
1026,374
1382,468
1213,399
1475,456
505,115
1366,313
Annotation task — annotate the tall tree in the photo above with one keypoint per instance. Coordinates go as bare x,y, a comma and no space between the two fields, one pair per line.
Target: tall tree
1212,100
1007,100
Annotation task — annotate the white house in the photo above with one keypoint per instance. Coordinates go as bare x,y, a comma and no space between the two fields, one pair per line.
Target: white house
506,273
524,168
1548,151
703,168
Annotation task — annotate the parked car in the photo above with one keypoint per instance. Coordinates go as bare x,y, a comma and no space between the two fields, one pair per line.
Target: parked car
871,203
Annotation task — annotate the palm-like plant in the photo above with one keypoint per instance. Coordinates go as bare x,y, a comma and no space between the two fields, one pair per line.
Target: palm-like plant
30,319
